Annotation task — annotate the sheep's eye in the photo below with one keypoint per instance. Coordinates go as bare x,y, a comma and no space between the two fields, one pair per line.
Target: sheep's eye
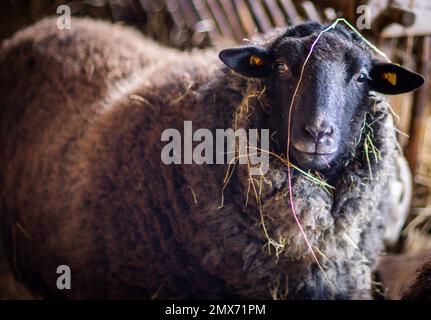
361,78
282,68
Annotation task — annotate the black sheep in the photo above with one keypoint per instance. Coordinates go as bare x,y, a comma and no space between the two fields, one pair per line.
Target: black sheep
83,184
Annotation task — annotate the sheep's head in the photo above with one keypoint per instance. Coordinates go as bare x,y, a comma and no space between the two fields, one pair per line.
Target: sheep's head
333,95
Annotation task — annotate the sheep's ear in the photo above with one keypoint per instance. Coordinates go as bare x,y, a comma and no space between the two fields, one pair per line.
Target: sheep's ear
251,61
390,78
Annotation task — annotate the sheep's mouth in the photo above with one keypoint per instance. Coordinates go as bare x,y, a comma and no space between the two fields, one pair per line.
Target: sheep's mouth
315,153
313,160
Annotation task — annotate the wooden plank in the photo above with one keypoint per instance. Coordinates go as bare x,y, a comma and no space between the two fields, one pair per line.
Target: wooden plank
419,112
205,16
220,19
276,14
229,11
191,15
262,21
421,26
290,11
245,17
174,9
311,11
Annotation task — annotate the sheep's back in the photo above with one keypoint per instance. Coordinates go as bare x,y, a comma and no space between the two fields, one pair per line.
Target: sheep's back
81,153
54,85
47,74
51,81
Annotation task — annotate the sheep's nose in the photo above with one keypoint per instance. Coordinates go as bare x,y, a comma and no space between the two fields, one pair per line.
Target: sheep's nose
318,131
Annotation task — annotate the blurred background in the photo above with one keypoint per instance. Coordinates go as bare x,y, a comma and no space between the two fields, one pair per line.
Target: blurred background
402,29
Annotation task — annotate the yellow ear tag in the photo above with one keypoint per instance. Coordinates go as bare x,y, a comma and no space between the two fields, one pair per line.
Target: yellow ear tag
390,77
256,61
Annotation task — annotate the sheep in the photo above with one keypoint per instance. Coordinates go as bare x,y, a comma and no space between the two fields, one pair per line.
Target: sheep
84,186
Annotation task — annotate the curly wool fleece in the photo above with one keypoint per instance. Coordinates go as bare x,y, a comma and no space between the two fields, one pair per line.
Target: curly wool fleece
345,226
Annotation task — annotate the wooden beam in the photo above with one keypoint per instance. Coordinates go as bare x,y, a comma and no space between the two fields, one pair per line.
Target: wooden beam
419,112
391,15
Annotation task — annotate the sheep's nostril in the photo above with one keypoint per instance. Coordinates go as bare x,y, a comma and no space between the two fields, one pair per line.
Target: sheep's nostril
318,132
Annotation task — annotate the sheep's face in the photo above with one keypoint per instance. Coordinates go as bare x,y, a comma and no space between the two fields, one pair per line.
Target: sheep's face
330,97
331,93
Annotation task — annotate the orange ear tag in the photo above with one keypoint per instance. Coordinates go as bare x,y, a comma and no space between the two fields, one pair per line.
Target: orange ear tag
390,77
256,61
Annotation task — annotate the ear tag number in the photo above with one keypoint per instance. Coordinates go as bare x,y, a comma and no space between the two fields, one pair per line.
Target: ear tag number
390,77
256,61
